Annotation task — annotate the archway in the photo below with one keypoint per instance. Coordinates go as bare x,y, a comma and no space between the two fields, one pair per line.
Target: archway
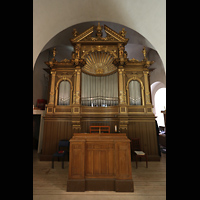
64,49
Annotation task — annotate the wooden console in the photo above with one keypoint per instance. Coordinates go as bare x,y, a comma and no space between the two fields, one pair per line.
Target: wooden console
100,162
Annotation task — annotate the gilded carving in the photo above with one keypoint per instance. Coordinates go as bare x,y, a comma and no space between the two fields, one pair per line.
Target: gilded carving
75,32
54,53
77,51
99,30
146,82
51,96
86,50
133,60
65,60
79,37
111,35
121,50
99,63
144,53
122,32
100,56
147,62
148,97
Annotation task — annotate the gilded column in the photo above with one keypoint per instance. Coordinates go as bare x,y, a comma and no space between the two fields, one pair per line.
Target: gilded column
52,91
123,120
124,89
121,87
76,120
74,92
146,85
78,84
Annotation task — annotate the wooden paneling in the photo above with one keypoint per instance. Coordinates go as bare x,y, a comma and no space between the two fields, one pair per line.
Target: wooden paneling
77,160
62,109
99,159
54,130
146,131
123,160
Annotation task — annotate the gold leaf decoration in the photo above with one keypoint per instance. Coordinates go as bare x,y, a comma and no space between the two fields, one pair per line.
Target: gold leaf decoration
99,63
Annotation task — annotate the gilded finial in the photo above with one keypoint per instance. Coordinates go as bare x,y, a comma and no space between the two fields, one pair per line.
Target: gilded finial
122,32
147,62
144,53
75,32
99,28
54,52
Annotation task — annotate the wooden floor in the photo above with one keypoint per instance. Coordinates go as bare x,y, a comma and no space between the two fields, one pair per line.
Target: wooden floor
51,184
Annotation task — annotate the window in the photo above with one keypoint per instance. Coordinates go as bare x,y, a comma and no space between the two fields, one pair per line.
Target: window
64,93
160,104
135,93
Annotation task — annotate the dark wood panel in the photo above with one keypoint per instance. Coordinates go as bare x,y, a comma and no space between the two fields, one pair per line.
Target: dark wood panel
49,138
99,159
123,160
55,130
61,128
77,160
146,131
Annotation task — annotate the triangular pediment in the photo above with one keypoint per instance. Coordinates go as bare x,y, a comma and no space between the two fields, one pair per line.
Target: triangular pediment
117,36
111,37
83,35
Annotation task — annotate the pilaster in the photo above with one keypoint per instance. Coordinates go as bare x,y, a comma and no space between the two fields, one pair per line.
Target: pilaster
52,90
146,84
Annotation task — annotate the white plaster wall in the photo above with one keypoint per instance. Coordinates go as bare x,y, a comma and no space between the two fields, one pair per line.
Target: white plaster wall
147,17
40,79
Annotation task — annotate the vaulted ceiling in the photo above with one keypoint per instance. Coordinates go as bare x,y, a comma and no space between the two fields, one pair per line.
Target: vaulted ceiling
147,17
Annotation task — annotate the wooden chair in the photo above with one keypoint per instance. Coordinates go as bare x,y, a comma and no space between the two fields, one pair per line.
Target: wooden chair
59,153
136,150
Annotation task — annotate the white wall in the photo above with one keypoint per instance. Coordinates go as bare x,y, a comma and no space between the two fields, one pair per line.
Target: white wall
40,82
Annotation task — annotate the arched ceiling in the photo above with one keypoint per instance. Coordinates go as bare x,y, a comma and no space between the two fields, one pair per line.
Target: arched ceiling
52,18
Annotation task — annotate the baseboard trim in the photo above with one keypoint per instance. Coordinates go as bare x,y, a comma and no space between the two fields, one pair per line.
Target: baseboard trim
81,185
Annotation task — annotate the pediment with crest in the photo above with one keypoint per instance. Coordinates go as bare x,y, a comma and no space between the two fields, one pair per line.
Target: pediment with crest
111,35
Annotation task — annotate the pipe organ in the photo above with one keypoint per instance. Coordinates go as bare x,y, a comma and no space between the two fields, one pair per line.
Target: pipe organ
99,86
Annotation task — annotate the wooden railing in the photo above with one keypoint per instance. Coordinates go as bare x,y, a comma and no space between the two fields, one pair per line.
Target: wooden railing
99,129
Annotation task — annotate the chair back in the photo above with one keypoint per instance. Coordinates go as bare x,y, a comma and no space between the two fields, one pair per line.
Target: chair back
135,144
63,143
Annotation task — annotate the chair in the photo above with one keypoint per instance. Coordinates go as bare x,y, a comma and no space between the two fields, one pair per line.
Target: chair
136,150
61,153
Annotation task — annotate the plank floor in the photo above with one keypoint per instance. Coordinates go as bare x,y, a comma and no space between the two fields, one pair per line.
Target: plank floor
51,184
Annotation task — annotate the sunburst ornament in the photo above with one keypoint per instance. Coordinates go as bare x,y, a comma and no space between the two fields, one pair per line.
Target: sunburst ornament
99,63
